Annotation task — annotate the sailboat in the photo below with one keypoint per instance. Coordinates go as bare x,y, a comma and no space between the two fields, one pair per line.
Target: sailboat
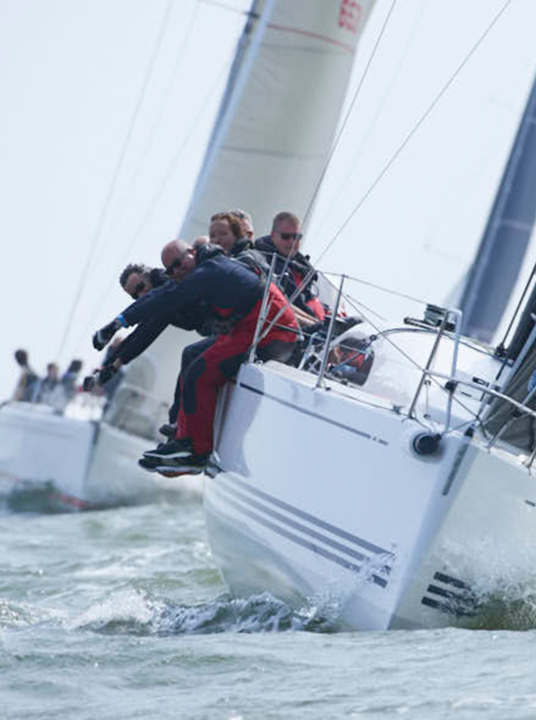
389,493
85,457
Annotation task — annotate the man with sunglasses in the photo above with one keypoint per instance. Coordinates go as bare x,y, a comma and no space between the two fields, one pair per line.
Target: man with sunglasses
137,280
234,293
292,268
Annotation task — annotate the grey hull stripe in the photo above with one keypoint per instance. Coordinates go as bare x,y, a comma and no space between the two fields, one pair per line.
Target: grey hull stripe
293,523
450,595
446,608
310,518
360,433
448,580
346,564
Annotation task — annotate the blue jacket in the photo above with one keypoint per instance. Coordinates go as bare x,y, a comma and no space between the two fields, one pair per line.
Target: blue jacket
195,316
227,288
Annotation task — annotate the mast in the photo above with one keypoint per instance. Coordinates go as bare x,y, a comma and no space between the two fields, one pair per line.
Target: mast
280,110
498,260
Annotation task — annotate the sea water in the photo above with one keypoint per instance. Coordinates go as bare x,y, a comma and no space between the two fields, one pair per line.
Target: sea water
121,613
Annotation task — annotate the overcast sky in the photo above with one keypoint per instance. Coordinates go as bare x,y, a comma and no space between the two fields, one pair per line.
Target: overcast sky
107,105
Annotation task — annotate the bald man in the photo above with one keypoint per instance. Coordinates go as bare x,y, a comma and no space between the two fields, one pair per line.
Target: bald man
233,292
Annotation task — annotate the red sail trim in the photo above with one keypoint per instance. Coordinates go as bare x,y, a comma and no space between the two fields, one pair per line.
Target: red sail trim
317,36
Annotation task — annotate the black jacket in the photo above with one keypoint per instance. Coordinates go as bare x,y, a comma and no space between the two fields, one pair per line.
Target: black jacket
287,271
192,316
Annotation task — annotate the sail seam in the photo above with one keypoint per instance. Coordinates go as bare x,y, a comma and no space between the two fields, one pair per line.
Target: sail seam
315,36
270,153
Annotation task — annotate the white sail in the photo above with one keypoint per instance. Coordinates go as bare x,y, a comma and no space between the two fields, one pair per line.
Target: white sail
280,110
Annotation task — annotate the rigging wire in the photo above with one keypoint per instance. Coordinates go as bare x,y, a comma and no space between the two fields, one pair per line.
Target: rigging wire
415,129
395,293
225,6
341,131
309,275
379,111
156,197
152,132
97,236
501,346
518,307
350,109
385,335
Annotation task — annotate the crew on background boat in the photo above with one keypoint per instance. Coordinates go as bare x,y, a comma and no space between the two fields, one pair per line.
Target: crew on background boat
234,295
48,386
28,380
69,379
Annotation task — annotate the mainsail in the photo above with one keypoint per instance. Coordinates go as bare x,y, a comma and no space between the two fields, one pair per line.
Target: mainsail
280,110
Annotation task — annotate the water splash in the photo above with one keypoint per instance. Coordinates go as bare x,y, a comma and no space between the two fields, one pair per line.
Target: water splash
134,613
502,584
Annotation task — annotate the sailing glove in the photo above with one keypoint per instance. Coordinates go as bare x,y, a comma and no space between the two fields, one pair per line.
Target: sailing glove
103,336
89,383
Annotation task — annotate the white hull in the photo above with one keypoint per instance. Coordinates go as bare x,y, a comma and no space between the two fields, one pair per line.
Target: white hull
321,496
82,464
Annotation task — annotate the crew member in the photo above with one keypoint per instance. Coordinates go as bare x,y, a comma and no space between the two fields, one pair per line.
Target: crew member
234,293
291,266
137,280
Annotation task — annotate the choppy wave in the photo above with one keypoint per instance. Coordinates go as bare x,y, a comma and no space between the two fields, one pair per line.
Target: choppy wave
132,612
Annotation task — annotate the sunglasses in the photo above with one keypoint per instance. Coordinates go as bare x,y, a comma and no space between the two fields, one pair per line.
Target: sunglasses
291,236
140,287
174,265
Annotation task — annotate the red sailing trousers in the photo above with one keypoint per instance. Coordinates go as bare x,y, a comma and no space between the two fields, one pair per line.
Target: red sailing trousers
211,370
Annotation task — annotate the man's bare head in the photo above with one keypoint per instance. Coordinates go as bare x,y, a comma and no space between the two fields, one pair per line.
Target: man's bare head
286,233
178,258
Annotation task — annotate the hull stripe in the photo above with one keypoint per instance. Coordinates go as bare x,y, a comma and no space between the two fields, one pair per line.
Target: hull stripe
294,524
360,433
317,550
364,544
441,577
445,608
